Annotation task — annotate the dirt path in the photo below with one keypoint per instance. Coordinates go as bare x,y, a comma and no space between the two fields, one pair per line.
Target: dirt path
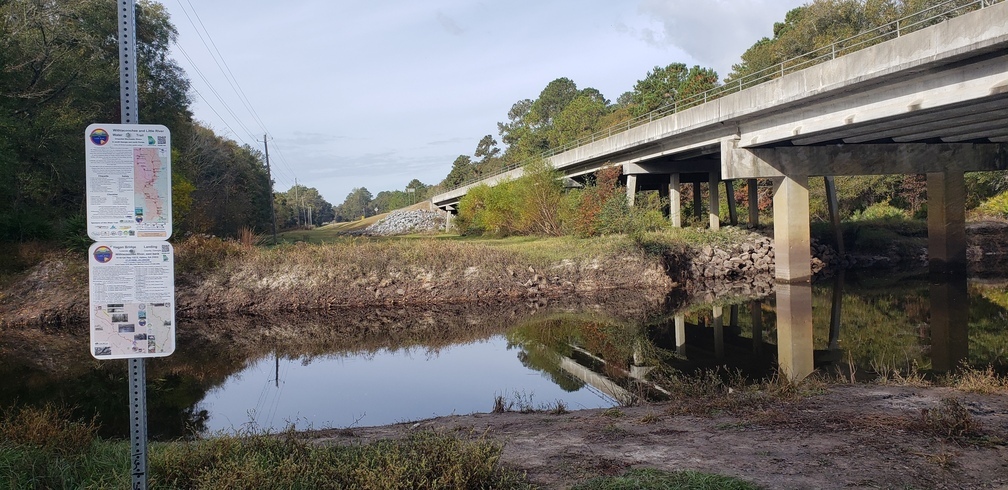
850,437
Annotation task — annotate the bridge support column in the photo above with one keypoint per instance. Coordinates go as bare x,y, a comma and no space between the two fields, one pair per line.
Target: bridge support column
680,333
715,201
729,187
631,189
946,193
834,212
675,206
792,242
697,202
794,330
753,188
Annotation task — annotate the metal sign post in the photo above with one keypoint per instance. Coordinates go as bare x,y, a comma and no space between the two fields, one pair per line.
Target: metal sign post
130,102
131,268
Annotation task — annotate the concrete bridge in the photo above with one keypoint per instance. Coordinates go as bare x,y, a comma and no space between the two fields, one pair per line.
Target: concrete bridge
933,101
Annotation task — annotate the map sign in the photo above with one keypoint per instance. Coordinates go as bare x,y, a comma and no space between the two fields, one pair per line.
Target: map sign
128,181
132,287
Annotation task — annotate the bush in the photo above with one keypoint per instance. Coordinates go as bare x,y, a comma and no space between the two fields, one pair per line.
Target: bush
881,211
995,207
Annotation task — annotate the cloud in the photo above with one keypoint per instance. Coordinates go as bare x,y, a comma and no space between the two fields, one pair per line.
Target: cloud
449,24
714,32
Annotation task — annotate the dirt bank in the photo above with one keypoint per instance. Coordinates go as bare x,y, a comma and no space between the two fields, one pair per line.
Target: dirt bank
852,436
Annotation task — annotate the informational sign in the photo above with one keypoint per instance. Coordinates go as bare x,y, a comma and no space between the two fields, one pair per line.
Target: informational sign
132,299
128,181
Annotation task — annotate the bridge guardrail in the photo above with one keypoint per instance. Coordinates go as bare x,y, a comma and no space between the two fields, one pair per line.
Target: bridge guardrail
892,30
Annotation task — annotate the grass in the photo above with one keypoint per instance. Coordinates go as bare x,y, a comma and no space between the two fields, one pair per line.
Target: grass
647,478
42,449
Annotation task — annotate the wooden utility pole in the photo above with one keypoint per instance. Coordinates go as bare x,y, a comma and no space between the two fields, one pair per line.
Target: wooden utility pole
270,174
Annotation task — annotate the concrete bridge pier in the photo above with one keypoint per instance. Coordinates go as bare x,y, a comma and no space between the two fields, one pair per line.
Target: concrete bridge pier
714,211
631,189
792,242
753,187
675,198
946,222
680,334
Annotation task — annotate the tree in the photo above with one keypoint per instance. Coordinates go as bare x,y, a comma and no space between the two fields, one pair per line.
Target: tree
356,205
462,170
664,86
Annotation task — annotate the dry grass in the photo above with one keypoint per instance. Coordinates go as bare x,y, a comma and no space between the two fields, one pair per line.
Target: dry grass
982,381
949,419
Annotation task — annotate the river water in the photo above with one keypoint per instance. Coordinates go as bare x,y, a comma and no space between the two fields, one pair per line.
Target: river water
852,326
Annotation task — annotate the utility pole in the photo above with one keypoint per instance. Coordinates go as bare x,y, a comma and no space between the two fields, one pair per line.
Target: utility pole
297,204
270,174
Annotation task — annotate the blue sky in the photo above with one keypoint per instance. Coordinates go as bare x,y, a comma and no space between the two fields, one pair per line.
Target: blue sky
374,94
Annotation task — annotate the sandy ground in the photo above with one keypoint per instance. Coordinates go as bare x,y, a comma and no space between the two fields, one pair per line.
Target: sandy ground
851,436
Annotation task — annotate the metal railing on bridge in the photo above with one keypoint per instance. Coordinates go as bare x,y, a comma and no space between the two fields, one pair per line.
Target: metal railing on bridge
892,30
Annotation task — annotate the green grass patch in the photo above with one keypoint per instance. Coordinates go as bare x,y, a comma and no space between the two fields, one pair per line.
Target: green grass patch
41,448
648,478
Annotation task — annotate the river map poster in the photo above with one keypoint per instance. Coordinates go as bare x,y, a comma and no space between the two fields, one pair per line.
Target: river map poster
128,181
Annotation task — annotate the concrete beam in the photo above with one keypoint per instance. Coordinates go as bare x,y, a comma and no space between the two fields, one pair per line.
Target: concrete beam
907,158
924,90
893,125
792,242
677,166
929,122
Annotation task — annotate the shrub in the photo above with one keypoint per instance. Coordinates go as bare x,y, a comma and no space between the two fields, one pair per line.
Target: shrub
879,211
995,207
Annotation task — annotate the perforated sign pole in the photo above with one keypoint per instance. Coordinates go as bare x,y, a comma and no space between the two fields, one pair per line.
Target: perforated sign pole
130,102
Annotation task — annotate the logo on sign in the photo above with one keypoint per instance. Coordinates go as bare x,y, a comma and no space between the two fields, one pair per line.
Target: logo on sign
103,254
99,136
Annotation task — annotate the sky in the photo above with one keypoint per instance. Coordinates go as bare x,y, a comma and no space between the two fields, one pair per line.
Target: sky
377,93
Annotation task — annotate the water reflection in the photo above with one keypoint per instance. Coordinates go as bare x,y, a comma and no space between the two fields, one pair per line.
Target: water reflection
376,367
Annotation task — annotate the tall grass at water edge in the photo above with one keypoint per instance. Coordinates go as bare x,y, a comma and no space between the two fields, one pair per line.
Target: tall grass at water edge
42,448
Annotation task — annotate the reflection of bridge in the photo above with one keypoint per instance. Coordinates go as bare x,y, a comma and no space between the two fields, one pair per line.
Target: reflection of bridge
710,338
933,102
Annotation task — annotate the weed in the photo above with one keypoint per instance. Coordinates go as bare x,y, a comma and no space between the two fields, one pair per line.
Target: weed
613,412
978,381
650,418
949,419
47,428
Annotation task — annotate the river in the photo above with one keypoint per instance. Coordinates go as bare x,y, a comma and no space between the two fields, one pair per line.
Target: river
853,326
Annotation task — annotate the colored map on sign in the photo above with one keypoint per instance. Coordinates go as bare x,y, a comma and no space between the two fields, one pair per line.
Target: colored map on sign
151,184
132,328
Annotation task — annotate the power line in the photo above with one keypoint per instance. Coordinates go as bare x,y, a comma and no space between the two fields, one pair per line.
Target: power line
285,171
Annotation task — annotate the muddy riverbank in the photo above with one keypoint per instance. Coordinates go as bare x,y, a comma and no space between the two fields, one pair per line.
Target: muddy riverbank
216,278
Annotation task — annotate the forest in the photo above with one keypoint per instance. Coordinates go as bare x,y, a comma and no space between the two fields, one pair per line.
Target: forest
60,73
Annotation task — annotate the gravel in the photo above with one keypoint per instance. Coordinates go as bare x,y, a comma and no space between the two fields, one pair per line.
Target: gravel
404,222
